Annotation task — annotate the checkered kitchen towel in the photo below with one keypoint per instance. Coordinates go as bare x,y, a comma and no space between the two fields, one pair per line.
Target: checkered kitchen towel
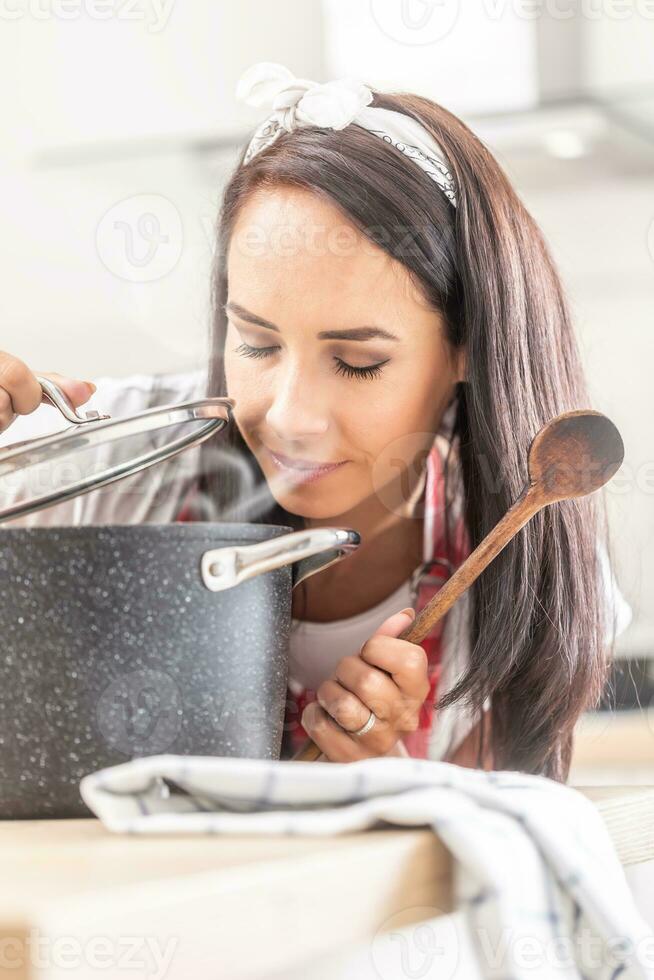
535,871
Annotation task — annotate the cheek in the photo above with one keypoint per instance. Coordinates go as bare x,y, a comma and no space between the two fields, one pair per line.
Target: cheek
233,362
250,399
234,375
242,374
427,389
396,422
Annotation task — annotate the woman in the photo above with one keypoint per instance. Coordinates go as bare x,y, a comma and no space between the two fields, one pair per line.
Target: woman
392,328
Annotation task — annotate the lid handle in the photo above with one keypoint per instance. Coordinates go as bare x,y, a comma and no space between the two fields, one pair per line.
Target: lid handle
58,397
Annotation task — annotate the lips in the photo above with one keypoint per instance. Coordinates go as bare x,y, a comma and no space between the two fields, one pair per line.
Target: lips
303,464
302,470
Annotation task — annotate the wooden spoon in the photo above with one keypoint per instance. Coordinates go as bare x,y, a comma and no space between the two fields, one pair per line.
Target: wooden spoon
573,455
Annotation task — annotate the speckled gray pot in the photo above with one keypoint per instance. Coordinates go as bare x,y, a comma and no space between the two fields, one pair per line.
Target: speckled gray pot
113,647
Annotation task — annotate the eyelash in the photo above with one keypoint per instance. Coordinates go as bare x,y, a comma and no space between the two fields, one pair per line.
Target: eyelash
346,369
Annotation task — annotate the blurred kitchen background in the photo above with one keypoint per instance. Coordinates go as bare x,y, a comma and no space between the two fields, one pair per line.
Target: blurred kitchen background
119,123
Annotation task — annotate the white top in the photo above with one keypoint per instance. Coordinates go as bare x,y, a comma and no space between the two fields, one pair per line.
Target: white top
316,648
155,496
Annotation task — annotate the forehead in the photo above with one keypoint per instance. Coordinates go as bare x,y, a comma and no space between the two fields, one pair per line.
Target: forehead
293,251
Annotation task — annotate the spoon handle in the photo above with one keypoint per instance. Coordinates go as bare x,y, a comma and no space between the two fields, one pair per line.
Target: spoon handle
524,508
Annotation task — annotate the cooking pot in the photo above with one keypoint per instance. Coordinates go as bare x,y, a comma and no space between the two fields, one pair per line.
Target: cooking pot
121,641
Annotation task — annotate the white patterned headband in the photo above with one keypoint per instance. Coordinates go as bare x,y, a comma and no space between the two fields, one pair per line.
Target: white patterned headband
299,102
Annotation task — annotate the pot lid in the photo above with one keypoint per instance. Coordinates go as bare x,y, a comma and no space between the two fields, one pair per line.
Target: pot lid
96,449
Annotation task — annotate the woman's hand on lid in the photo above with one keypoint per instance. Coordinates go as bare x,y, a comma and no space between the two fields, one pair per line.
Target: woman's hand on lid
21,393
388,677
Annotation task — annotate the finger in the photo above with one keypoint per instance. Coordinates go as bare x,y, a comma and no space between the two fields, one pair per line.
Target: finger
7,414
330,738
79,392
396,623
374,688
351,714
345,708
406,663
393,625
20,384
395,710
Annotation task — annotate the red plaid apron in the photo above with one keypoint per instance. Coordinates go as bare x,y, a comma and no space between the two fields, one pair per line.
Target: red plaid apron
439,561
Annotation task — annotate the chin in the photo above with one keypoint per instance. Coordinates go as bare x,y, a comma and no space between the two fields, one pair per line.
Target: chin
308,503
309,512
317,501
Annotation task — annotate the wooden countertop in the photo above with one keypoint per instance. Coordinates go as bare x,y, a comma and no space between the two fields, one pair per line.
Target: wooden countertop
262,904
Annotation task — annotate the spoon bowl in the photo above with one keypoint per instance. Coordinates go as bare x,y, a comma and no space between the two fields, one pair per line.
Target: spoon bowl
573,455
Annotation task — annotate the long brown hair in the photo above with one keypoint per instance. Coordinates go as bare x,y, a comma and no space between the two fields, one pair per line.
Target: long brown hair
537,623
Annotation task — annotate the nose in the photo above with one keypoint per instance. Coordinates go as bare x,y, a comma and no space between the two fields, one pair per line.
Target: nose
299,407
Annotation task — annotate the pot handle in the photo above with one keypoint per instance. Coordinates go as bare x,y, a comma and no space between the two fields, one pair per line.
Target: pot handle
59,399
310,551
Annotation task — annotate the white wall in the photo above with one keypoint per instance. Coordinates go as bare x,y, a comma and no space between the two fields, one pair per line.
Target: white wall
618,52
77,297
168,69
471,57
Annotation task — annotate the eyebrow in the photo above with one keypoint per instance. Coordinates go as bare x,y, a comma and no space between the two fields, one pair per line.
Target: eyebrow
352,333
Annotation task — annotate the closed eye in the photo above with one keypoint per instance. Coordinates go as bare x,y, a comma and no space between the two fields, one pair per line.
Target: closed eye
372,371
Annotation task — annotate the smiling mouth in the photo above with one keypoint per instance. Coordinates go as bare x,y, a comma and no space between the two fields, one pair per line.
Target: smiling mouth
303,464
302,468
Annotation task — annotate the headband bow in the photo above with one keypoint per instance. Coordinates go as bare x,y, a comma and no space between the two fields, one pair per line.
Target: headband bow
301,102
295,102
